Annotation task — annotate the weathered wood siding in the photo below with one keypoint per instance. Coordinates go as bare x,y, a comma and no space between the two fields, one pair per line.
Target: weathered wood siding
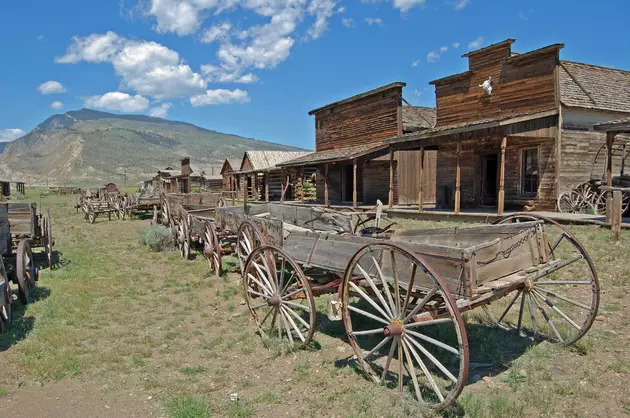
472,150
408,176
518,86
373,183
578,162
366,120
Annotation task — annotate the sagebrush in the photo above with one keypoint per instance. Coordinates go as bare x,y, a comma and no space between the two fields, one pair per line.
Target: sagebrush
157,238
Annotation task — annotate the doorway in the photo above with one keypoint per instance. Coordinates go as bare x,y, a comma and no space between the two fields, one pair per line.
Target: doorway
347,180
489,179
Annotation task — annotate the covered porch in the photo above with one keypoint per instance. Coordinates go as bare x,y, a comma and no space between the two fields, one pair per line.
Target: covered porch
490,165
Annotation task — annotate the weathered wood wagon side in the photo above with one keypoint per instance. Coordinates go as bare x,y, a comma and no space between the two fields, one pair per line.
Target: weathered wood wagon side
401,297
26,223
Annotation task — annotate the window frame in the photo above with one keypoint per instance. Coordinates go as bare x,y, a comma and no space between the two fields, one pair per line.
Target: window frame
522,175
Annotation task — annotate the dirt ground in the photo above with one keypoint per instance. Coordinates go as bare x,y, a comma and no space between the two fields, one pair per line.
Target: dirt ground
119,331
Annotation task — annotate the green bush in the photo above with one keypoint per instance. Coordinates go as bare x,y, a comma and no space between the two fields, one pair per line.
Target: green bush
157,237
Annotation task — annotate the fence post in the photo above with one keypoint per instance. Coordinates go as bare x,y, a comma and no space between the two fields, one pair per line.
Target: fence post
616,215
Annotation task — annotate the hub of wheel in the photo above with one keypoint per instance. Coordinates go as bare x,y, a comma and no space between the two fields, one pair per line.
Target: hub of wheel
275,300
529,285
393,329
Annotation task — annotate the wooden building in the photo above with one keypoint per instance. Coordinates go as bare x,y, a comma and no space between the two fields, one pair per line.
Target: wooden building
259,174
524,140
230,181
174,181
351,159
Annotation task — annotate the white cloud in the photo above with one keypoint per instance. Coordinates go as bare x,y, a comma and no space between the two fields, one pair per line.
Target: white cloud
118,101
51,87
461,4
415,63
417,92
179,16
40,37
220,96
342,9
219,75
476,43
524,15
147,67
93,48
443,49
10,134
455,45
56,105
406,5
216,32
322,10
433,57
374,21
348,22
160,111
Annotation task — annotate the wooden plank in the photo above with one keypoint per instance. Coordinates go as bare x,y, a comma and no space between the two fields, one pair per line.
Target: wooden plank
501,197
458,179
391,179
616,215
421,183
326,201
354,183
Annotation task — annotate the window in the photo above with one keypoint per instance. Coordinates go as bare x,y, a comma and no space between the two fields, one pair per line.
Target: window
530,172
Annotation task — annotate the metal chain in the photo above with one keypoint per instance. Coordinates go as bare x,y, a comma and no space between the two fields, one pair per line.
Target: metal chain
527,233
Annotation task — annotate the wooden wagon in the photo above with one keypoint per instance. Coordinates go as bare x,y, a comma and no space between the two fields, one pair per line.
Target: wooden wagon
35,228
17,264
401,297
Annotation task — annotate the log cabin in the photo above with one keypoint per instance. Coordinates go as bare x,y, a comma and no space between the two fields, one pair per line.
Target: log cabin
259,176
523,142
351,160
230,181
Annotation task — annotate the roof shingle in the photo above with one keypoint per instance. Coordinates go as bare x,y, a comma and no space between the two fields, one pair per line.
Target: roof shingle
336,154
417,118
593,87
264,160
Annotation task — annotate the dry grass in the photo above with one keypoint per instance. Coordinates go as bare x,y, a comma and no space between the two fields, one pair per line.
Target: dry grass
116,313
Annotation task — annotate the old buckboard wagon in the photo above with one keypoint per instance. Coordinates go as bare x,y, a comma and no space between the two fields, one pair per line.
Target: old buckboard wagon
35,228
401,296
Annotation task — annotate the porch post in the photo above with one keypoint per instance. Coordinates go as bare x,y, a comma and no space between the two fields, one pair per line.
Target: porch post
282,186
301,184
610,139
254,187
458,179
354,183
326,202
246,192
421,176
501,202
267,187
391,178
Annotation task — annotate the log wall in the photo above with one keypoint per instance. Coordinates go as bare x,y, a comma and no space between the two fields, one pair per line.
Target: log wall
366,120
519,86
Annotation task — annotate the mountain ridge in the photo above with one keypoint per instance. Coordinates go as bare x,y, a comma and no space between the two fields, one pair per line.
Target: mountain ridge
89,147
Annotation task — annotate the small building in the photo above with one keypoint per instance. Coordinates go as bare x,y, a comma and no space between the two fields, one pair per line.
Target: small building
230,181
516,130
174,181
259,174
5,185
351,158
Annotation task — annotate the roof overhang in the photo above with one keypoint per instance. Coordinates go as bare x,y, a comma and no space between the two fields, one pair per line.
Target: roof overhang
619,126
369,154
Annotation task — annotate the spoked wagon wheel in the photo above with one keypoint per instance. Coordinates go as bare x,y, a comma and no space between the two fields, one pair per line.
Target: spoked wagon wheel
561,301
49,241
212,248
89,213
279,296
6,315
248,238
26,272
167,219
573,202
602,199
403,324
183,237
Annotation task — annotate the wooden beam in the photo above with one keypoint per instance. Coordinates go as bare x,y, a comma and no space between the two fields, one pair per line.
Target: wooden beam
391,179
326,202
610,139
501,203
245,193
354,183
616,215
421,176
301,184
458,180
266,187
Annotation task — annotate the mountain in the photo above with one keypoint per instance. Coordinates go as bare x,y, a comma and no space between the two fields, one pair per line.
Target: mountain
88,147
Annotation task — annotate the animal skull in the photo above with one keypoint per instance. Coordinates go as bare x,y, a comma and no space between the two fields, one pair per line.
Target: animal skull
487,86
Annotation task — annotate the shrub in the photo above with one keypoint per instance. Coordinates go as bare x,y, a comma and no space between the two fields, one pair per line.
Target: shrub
157,237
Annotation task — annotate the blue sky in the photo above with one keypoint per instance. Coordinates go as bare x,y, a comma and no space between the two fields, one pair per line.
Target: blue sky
256,67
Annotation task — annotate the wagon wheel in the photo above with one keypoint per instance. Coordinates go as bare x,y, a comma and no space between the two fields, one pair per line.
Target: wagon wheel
600,205
248,238
49,240
588,191
90,215
167,219
419,344
221,203
183,237
6,314
559,303
26,272
279,296
573,202
212,248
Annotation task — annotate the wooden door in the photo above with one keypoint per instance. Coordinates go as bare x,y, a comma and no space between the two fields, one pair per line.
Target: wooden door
489,179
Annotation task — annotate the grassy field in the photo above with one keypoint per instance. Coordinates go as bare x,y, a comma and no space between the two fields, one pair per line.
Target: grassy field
115,314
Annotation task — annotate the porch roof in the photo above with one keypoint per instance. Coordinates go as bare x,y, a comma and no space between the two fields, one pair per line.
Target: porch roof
336,154
445,130
621,125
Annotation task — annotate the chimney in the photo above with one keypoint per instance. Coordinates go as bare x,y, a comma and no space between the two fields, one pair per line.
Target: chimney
186,166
